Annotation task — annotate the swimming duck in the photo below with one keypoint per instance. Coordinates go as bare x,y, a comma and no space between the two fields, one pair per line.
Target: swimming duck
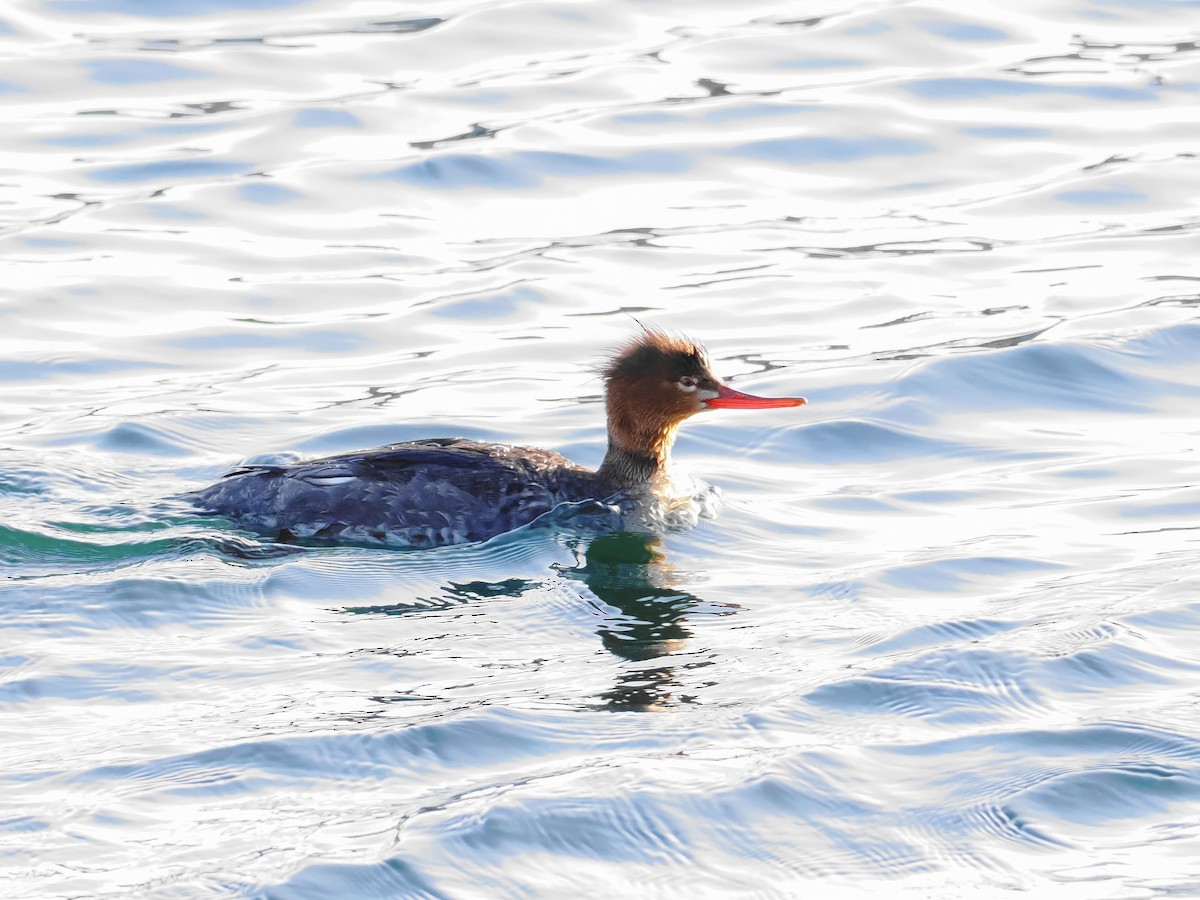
441,491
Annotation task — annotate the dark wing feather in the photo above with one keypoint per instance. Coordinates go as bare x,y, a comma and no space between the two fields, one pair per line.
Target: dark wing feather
416,494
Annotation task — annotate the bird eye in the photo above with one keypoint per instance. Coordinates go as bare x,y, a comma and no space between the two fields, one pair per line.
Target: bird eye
688,383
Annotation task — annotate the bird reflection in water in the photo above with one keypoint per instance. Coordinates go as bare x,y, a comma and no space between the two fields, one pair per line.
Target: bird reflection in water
642,612
645,620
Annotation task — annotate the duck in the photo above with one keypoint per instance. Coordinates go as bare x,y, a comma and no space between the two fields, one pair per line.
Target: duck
443,491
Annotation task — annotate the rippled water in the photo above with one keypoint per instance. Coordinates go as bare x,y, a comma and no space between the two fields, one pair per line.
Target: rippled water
943,639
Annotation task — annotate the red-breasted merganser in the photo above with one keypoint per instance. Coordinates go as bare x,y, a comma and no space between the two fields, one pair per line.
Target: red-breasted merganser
441,491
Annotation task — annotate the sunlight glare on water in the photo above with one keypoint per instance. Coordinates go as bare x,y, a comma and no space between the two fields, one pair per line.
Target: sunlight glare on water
941,639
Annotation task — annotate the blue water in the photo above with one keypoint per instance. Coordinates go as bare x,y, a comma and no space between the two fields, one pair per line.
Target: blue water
943,639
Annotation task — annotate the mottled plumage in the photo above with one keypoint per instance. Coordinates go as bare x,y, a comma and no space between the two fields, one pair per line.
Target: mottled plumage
426,493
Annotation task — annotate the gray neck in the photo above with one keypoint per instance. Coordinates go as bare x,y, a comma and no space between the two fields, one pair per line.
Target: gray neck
624,468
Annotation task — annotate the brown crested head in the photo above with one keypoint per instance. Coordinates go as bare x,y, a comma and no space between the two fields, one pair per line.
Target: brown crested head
656,381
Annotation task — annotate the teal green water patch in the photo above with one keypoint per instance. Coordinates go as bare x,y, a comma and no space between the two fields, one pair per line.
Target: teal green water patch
115,521
47,551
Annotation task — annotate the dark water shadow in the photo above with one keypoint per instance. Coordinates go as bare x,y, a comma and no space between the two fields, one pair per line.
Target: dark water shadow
642,612
631,575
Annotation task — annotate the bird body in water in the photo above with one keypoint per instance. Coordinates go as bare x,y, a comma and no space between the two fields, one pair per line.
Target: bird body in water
440,491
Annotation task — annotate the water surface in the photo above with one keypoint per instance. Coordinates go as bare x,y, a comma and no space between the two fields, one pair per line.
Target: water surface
942,639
